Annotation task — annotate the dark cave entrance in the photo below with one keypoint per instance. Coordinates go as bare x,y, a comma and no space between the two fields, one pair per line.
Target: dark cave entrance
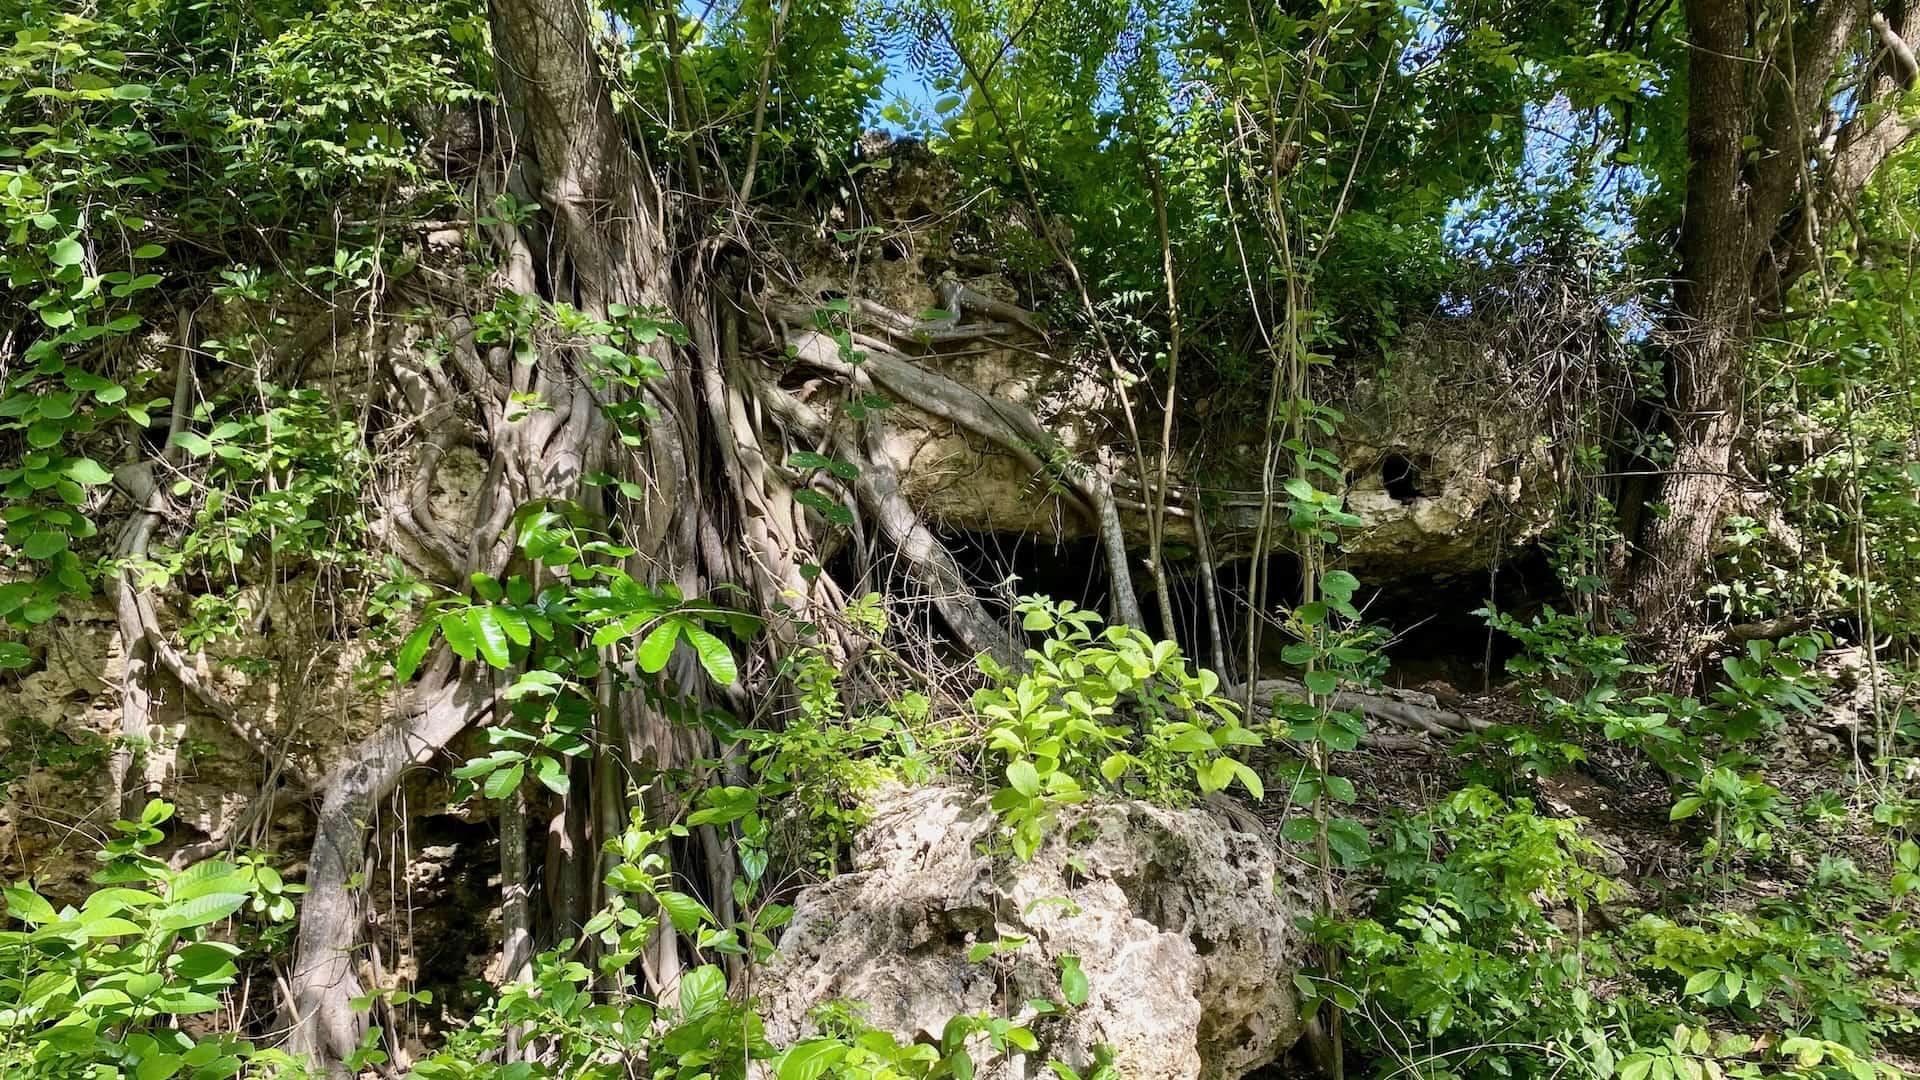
1401,475
1436,634
1006,566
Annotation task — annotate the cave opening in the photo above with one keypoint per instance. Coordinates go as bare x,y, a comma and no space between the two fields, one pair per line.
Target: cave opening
1435,635
1438,635
1401,475
1006,565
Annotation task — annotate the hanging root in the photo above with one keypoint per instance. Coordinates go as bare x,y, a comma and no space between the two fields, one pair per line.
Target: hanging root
1007,425
323,1025
142,640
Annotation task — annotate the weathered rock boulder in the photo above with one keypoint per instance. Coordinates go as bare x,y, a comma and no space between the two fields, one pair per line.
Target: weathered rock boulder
1184,927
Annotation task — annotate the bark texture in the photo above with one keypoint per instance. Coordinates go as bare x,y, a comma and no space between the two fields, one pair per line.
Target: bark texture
1755,224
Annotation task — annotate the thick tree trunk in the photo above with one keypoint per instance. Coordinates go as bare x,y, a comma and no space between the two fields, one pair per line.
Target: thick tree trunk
1713,327
1761,183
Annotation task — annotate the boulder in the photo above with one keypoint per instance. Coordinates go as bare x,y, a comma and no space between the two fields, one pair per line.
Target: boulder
1184,926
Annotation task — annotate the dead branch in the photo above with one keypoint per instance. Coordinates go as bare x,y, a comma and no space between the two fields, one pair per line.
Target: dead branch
1401,708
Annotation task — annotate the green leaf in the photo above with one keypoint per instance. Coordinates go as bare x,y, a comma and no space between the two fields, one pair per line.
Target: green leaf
490,638
184,1002
658,646
87,471
205,960
42,434
1024,778
199,911
1248,779
413,650
27,906
1350,840
1686,808
1339,585
485,586
1702,981
504,782
1073,981
552,775
811,1059
206,878
158,1066
714,655
42,545
67,252
810,498
701,991
684,912
515,624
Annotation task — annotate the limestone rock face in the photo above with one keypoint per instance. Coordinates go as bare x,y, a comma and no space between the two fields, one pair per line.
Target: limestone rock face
1184,927
1450,450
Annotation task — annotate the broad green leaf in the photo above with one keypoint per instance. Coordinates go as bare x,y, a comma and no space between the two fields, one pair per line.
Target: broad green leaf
701,991
26,905
407,661
504,782
206,878
158,1067
653,652
199,911
811,1059
43,545
184,1002
459,634
686,913
1024,778
205,960
714,655
87,471
1248,779
1339,585
489,637
1073,981
515,624
552,774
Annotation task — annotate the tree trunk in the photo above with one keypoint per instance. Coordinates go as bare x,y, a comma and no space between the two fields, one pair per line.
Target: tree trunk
1712,328
1758,195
